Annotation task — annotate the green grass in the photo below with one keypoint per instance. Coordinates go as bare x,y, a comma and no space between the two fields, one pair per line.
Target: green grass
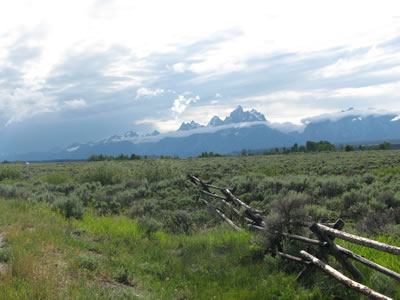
55,258
374,279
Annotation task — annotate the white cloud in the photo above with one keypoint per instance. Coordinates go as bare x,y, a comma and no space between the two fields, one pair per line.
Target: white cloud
351,64
179,67
388,90
146,92
359,114
75,104
180,104
161,125
21,104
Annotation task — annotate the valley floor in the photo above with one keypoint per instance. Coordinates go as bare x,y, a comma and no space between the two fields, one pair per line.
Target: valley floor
134,230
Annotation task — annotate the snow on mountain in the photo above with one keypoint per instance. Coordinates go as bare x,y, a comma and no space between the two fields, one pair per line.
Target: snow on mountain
189,126
72,149
154,133
215,121
130,134
357,114
395,119
239,115
287,127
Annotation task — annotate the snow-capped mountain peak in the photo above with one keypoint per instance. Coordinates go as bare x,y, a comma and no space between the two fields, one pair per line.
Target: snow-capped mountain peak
215,121
189,126
130,134
239,115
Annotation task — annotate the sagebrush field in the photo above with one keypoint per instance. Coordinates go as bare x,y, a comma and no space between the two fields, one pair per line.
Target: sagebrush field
135,229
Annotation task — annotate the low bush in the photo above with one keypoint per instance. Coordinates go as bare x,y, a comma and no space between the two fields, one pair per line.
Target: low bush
4,255
107,173
10,173
88,262
69,207
57,178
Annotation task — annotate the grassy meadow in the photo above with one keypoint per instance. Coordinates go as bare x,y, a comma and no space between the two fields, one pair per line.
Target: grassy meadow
136,230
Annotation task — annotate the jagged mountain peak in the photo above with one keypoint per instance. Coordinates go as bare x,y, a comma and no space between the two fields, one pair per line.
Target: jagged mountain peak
239,115
215,121
154,133
130,134
189,126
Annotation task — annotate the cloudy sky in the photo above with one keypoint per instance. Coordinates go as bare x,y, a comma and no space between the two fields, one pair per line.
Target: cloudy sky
81,70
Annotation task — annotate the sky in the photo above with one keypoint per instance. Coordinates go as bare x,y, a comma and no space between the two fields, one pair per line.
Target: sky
83,70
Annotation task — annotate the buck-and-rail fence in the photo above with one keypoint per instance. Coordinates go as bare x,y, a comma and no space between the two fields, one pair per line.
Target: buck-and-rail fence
325,233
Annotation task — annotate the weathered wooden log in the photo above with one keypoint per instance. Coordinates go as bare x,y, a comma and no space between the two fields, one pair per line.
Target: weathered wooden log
259,228
369,263
229,221
223,200
197,181
342,278
252,213
304,239
321,253
360,240
322,236
232,197
212,195
293,258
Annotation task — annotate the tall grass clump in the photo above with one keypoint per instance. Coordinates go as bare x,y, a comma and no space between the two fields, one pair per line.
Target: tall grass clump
106,173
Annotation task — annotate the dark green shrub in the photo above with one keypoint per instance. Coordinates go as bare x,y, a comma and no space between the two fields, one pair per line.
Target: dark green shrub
321,214
69,207
107,173
298,184
145,207
4,255
88,262
352,198
45,196
123,275
179,222
107,204
285,214
10,173
56,178
331,187
368,178
8,191
88,192
373,222
158,170
388,198
149,225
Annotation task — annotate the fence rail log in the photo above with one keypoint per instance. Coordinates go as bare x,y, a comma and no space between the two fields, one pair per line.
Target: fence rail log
360,240
232,197
304,239
293,258
342,278
259,228
321,253
333,249
221,214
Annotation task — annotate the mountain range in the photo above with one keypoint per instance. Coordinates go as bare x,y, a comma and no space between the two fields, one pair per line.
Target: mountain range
240,130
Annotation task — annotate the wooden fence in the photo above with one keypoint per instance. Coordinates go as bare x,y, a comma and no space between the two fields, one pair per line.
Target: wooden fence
325,233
